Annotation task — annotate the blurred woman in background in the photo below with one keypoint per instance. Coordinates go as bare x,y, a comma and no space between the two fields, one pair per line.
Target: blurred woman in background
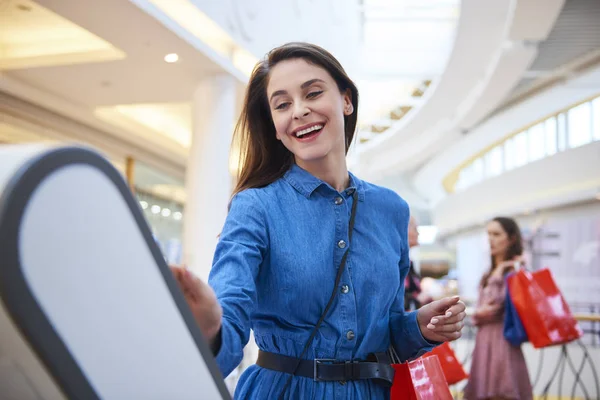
498,370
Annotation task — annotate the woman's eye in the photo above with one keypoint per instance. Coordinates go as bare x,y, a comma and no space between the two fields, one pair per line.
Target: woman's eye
312,95
282,106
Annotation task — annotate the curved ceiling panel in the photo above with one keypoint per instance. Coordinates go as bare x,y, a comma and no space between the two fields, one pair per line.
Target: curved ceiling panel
495,44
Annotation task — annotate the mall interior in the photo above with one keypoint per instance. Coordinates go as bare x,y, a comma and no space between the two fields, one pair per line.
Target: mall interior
469,110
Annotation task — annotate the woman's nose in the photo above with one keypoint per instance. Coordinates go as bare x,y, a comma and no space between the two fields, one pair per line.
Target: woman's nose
300,110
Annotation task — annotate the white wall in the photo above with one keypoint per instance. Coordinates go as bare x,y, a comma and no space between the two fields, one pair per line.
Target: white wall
472,261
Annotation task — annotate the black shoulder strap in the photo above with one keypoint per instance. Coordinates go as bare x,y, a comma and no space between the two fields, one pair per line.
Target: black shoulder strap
333,293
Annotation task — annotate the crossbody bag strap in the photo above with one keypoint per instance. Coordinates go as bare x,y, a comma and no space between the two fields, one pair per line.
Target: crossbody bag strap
333,293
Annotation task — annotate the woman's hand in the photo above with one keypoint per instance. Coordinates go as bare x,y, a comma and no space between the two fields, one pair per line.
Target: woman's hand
202,301
517,261
442,320
486,311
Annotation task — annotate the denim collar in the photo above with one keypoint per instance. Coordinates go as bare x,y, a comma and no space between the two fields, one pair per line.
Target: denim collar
306,184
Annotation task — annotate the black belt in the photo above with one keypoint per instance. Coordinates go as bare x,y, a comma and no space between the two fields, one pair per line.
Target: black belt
328,370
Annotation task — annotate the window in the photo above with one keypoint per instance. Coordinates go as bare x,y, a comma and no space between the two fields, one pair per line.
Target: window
562,132
520,149
477,171
536,142
596,117
575,127
509,155
550,136
461,183
580,125
493,162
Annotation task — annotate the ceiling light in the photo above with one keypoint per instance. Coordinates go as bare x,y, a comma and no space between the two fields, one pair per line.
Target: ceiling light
155,209
177,215
144,204
165,212
172,58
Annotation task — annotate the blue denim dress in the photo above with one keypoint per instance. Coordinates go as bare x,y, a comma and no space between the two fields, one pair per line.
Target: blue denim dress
274,270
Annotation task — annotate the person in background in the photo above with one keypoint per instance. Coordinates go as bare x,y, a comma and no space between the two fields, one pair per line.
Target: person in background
414,296
287,234
498,369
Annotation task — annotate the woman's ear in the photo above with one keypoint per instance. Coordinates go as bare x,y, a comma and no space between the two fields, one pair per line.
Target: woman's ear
348,106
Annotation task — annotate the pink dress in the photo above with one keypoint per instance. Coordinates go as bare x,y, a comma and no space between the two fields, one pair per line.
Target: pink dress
498,369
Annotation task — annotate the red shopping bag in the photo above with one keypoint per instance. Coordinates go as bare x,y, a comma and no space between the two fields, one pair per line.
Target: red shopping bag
543,310
453,369
421,379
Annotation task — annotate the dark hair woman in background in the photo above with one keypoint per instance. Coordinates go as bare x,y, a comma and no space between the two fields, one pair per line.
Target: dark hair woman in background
498,369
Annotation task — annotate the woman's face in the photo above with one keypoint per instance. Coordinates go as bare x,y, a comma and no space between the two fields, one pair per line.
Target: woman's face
499,240
308,111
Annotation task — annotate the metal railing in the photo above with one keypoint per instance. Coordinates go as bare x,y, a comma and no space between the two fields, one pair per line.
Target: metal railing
588,316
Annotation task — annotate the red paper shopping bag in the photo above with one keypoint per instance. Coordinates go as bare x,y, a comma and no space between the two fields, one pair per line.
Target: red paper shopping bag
544,312
453,369
421,379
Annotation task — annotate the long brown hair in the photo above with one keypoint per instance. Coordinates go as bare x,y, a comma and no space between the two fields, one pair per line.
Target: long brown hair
263,158
512,230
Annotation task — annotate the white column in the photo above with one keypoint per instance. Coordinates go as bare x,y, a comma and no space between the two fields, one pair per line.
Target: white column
208,180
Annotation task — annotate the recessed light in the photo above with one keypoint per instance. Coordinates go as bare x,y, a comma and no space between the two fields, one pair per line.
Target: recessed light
165,212
172,58
155,209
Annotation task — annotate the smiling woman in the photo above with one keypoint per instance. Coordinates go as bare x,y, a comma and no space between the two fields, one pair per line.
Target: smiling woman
296,88
311,258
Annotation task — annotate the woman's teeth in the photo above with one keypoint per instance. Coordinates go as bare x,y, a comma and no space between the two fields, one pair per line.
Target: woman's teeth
308,130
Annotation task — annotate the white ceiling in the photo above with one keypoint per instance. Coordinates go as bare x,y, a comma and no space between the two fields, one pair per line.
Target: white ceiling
404,42
130,94
490,53
142,77
574,41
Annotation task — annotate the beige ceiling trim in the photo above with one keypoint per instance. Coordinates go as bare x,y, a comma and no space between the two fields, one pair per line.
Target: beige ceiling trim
14,134
33,36
155,153
192,19
171,121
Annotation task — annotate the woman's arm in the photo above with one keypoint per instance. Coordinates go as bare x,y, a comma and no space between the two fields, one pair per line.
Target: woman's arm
240,251
492,310
487,313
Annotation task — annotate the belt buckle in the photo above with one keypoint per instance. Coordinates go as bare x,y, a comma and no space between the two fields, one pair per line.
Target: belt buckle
318,361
